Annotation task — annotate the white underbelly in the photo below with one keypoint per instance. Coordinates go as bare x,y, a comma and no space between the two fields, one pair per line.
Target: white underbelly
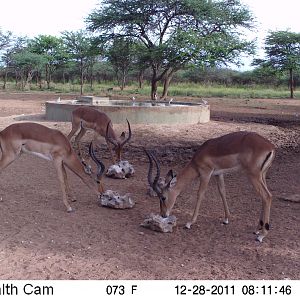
41,155
224,171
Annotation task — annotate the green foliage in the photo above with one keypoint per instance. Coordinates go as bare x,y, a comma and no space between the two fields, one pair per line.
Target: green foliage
5,39
283,53
26,64
51,48
283,50
121,54
173,33
81,48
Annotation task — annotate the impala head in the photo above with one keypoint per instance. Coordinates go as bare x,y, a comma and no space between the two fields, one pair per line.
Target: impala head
118,144
163,189
100,168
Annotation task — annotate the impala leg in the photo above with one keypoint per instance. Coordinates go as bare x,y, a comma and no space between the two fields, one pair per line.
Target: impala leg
74,164
68,190
73,131
222,191
201,191
78,138
61,177
262,189
7,159
87,166
111,152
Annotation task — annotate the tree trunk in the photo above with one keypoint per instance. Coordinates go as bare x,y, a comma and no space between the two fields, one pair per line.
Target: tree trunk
81,77
28,80
141,78
40,80
154,84
123,80
64,77
4,79
167,81
16,79
48,76
292,83
91,77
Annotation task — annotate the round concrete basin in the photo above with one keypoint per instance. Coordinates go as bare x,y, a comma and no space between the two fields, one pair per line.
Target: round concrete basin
146,112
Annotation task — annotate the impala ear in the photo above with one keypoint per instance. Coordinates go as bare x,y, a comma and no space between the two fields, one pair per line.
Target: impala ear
171,179
170,175
173,182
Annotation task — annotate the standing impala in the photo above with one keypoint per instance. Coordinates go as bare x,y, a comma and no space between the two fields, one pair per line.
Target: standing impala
239,150
49,144
89,118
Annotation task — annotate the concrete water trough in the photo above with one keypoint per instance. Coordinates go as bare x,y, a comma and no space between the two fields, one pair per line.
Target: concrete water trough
138,112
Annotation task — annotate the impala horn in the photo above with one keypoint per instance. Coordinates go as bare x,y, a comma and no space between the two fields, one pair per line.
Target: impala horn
129,135
153,182
108,138
100,166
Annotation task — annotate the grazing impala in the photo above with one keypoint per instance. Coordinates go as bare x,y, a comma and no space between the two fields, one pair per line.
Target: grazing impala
89,118
247,151
49,144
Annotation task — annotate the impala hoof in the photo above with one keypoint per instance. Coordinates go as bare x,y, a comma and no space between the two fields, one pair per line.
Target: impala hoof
188,225
226,221
259,238
70,210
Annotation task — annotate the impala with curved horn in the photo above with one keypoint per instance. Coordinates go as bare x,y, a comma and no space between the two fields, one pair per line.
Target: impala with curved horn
247,151
49,144
90,118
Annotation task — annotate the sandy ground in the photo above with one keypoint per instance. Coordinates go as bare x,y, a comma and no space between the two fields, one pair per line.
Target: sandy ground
40,240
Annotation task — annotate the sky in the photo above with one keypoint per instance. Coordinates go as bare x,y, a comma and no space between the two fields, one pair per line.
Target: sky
272,15
34,17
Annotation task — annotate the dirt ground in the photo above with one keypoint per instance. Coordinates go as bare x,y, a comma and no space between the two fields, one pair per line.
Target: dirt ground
40,240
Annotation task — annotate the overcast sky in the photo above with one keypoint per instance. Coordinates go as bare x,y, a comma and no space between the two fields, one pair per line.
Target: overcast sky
33,17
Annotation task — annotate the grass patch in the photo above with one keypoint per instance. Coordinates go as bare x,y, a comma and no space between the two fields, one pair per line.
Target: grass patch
179,90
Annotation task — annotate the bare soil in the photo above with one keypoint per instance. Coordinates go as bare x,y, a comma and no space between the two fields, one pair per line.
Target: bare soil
40,240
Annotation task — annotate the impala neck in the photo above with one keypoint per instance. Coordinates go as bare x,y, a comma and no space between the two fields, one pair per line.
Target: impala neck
185,177
111,133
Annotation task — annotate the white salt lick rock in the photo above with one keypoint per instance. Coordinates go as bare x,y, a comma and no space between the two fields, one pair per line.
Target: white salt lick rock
112,199
158,223
123,169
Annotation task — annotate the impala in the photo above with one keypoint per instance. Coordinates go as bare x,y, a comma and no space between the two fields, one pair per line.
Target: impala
247,151
89,118
52,145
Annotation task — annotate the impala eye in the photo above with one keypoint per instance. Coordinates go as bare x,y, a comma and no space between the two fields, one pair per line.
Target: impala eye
163,198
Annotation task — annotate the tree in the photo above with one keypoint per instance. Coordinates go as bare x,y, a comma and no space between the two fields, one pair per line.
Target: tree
5,39
26,64
18,45
82,49
121,55
283,53
5,45
52,49
174,33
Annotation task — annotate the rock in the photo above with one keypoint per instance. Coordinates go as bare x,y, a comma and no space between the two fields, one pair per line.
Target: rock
123,169
112,199
158,223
